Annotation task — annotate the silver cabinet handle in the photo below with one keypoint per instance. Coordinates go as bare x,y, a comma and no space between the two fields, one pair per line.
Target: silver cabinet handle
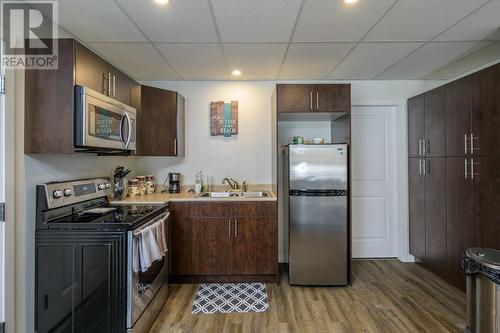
419,166
109,84
465,168
465,143
114,85
175,146
425,167
311,100
472,174
229,227
424,147
419,147
472,138
235,228
317,100
105,88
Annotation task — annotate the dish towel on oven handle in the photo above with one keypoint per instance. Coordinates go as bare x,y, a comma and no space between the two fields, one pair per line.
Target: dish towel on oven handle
150,245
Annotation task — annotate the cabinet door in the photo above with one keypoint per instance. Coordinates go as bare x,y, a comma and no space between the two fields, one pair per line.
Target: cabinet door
458,116
295,97
486,201
416,186
435,136
255,250
416,125
91,71
459,223
485,111
435,213
157,122
121,85
332,98
211,246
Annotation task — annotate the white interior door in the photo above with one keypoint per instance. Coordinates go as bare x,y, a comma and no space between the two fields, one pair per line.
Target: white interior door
373,182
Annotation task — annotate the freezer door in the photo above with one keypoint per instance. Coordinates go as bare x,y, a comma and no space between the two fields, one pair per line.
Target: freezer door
318,167
318,240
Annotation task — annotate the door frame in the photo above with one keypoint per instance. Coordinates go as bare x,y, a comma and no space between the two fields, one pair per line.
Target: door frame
7,252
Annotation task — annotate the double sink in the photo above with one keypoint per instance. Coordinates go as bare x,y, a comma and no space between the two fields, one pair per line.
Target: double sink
234,194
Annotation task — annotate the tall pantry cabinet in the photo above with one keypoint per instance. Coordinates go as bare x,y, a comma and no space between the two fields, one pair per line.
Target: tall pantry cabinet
454,171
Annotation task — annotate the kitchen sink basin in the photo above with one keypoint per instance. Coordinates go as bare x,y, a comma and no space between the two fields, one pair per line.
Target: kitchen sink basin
234,194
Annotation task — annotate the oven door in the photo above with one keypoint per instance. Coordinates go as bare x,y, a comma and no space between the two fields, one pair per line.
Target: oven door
102,122
143,286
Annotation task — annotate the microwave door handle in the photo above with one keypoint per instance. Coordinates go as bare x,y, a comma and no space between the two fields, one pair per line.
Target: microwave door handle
129,130
121,129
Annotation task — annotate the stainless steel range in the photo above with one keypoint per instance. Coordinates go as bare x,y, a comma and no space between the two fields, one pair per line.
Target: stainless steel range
91,275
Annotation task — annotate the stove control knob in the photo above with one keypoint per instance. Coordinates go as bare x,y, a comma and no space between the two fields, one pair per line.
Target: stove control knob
67,192
101,186
57,194
107,185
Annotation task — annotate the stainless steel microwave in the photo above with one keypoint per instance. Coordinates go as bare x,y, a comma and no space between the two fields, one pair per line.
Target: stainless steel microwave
103,124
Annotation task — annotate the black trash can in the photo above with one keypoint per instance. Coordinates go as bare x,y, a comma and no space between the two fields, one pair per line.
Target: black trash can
482,267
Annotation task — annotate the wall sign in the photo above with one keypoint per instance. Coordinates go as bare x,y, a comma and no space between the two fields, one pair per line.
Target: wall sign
224,118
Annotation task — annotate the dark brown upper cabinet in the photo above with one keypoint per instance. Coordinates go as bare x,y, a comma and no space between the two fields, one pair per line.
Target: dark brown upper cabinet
95,73
485,112
426,124
458,117
416,125
49,101
434,140
313,97
473,114
160,121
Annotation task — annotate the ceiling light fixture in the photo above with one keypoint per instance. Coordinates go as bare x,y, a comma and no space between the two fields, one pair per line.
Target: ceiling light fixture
162,2
350,2
236,72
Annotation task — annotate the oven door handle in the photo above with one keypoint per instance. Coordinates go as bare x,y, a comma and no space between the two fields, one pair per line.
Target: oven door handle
162,216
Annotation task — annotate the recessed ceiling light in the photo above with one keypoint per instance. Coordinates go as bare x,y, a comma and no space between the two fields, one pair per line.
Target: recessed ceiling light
236,72
350,2
162,2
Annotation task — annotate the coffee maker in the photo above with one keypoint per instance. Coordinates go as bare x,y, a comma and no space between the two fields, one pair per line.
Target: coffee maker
174,182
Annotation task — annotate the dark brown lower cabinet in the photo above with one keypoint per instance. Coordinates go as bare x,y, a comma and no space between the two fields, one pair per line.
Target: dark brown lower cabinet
435,213
211,246
219,242
255,245
416,187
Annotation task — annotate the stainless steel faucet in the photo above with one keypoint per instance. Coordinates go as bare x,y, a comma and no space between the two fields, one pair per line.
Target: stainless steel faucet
232,183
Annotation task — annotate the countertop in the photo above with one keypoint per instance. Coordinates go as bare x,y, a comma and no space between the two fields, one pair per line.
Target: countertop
159,198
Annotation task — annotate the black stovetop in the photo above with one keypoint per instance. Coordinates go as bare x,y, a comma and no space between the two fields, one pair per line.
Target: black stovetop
126,216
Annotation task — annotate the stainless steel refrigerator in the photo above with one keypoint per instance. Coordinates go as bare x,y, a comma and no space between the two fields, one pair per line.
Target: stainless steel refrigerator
316,178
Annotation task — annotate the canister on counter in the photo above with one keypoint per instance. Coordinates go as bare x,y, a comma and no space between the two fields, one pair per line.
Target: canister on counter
150,184
133,188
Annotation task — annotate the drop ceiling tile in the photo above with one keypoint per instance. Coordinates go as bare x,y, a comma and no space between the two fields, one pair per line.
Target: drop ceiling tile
97,21
481,24
421,20
312,60
326,21
256,61
179,21
369,59
255,20
199,61
428,58
140,60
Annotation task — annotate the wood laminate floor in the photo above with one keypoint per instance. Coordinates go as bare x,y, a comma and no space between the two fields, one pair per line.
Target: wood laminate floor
386,296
